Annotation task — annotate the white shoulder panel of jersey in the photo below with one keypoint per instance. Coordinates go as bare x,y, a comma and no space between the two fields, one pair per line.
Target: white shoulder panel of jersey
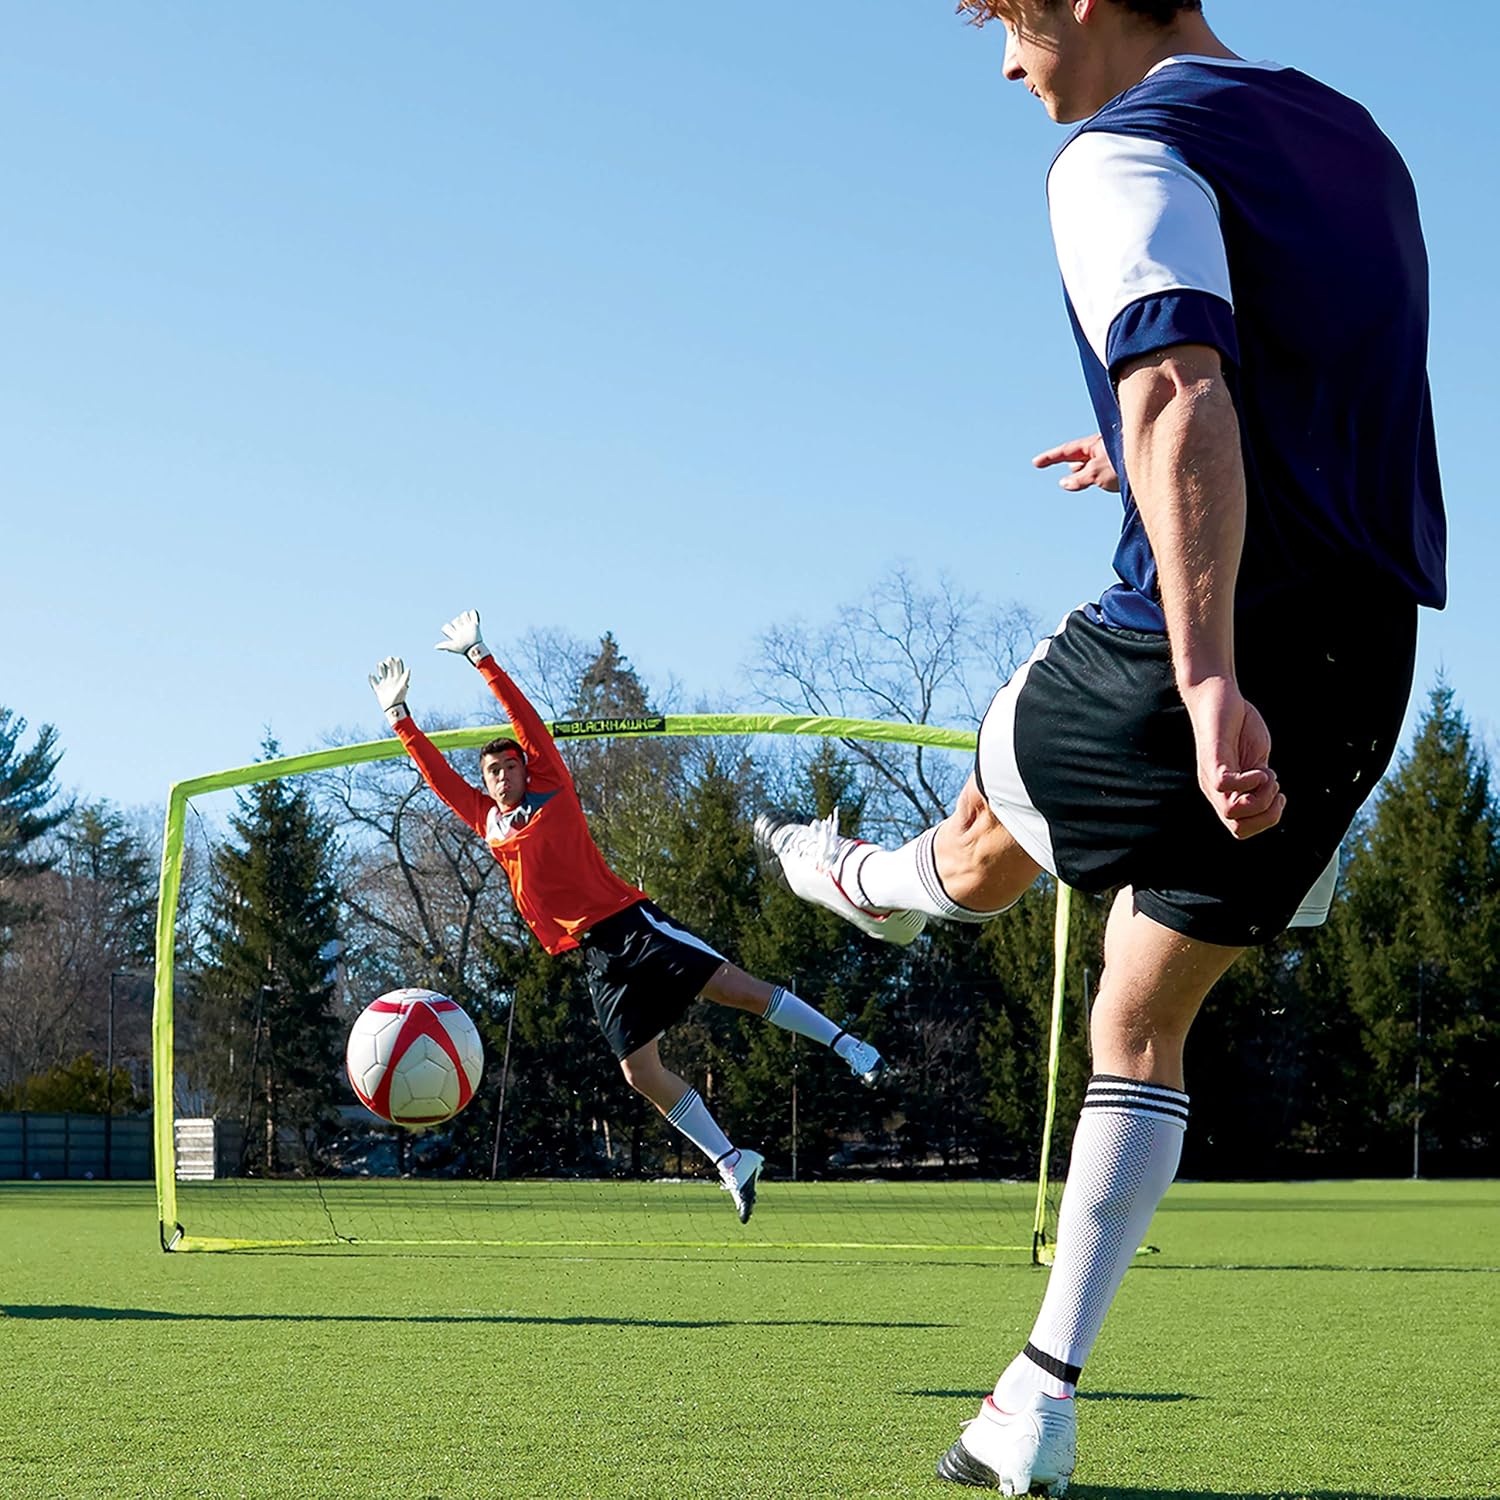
1130,219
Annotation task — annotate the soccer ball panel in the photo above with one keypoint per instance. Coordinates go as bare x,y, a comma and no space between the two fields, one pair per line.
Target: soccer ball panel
465,1037
414,1057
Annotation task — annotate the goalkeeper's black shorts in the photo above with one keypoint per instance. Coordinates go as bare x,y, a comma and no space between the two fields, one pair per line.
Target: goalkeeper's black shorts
644,970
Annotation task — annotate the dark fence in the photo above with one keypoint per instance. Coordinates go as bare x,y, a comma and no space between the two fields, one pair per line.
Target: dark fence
37,1146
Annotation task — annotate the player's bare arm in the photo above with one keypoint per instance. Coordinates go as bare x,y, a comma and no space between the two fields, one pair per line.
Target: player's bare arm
1088,464
1182,450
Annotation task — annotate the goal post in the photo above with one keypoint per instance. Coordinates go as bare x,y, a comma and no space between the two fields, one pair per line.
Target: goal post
173,1235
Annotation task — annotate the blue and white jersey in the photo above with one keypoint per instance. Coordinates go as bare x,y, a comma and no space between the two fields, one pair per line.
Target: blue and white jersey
1251,208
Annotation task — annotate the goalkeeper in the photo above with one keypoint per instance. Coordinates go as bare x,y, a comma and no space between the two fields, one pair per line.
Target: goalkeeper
644,969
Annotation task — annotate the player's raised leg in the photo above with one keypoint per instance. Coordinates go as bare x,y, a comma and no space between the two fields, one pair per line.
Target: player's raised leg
966,869
775,1003
1125,1155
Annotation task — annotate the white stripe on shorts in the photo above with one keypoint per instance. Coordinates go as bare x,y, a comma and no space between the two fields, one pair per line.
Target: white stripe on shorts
1004,789
667,929
1314,909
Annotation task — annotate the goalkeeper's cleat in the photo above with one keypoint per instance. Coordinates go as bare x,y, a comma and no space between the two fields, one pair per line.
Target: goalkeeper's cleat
864,1061
740,1180
1031,1451
811,857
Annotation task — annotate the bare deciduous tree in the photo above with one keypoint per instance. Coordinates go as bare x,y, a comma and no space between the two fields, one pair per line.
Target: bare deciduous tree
93,907
902,654
420,889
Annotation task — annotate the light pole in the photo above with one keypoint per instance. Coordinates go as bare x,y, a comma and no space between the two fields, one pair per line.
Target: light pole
109,1070
109,1081
510,1024
1416,1113
794,1106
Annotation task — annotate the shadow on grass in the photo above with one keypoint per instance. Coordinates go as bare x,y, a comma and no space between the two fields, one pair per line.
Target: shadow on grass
1114,1492
70,1312
1147,1265
1152,1397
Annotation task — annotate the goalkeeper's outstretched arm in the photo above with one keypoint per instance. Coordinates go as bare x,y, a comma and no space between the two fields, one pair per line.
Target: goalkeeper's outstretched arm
545,767
390,680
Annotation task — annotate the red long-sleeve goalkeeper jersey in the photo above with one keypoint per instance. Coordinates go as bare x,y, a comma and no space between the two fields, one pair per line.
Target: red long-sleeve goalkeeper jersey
557,875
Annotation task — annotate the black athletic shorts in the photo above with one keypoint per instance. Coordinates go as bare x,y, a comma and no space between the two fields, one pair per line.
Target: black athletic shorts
644,970
1086,755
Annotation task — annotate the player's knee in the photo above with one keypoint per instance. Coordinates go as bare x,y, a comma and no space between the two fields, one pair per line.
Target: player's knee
732,986
978,863
1140,1041
640,1073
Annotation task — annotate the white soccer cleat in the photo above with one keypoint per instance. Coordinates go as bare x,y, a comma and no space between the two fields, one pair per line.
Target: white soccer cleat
811,858
864,1061
1031,1451
740,1181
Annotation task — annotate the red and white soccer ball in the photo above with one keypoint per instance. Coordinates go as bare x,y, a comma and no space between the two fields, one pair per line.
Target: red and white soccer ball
414,1057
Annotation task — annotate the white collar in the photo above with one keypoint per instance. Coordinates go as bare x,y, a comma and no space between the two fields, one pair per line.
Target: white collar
1217,62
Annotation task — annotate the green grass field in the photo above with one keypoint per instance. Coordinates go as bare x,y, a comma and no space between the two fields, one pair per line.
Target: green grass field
1320,1340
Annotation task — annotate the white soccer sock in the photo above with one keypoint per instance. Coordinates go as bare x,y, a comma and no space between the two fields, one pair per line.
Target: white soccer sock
904,879
690,1115
792,1014
1125,1155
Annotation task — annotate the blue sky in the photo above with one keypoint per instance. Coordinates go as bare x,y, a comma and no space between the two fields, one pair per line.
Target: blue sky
324,322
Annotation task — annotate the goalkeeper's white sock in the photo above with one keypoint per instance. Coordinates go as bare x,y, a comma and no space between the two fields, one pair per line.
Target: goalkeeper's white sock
1125,1155
904,879
792,1014
690,1116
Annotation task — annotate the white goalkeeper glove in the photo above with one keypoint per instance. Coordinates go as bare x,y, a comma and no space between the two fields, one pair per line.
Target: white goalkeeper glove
461,634
390,681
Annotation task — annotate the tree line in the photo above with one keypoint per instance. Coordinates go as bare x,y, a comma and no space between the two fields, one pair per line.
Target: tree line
1368,1046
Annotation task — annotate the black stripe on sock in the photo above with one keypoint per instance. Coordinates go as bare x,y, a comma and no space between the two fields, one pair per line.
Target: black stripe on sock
1105,1091
937,892
1159,1089
1055,1367
859,895
675,1113
927,871
1137,1107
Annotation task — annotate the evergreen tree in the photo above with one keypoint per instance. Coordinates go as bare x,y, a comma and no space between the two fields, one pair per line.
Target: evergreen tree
857,983
26,794
708,879
1011,984
268,1039
1418,937
78,1087
109,871
1269,1063
625,785
568,1109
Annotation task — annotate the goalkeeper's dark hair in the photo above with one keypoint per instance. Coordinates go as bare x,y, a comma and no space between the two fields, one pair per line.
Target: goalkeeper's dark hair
1163,12
499,747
